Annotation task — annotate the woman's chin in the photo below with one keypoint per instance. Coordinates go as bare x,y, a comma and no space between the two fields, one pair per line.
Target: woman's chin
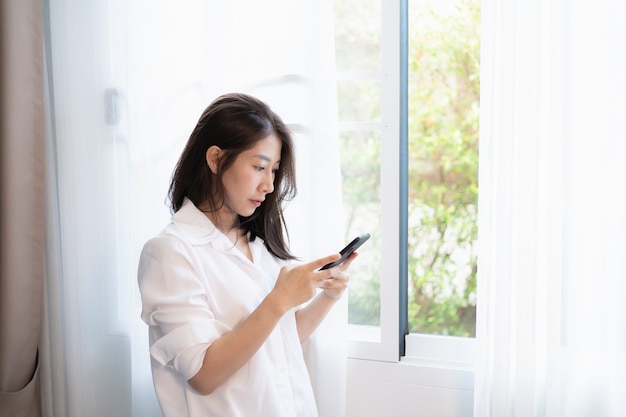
247,213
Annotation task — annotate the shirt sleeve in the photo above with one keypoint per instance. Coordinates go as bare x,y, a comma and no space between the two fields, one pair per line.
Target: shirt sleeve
174,305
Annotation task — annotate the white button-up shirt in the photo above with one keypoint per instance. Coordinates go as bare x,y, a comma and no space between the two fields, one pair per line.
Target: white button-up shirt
195,287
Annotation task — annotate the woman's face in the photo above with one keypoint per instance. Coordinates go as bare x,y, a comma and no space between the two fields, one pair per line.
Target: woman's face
251,177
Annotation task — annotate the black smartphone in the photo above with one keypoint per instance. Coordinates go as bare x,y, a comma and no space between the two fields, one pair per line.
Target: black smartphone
348,250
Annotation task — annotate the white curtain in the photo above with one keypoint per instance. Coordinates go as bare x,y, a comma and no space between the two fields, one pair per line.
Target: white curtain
551,327
127,83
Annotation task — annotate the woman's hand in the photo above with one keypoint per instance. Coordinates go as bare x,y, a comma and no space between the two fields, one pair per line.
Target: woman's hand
335,285
297,284
310,316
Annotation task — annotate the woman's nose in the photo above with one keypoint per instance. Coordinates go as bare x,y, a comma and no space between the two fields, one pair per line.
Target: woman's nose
268,182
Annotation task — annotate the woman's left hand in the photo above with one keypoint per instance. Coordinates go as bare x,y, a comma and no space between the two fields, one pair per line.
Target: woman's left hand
335,285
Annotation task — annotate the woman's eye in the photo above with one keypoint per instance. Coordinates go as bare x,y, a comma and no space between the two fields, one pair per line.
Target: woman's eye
259,168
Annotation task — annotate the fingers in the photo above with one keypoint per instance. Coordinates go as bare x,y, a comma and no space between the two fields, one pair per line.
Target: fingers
334,271
334,283
339,275
346,264
318,263
297,284
335,286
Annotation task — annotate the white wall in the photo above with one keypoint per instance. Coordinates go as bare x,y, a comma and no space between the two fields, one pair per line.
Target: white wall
381,389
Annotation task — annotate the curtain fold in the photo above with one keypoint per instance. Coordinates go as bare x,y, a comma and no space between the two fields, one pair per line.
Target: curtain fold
551,328
22,200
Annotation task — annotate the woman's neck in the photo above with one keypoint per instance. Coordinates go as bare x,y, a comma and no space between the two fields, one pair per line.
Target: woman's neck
239,238
226,222
223,218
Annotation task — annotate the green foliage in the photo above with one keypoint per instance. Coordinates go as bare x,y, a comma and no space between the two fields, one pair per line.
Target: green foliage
444,89
360,169
443,168
364,308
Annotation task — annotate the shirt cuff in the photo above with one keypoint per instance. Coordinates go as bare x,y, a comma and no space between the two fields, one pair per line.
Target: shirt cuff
183,348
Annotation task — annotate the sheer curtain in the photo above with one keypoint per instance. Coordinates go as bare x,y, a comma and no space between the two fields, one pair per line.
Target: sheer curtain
128,81
551,327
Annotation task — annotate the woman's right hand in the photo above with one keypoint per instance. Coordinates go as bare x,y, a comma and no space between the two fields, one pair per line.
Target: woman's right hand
297,284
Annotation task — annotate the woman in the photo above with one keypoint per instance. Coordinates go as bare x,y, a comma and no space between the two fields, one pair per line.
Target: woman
222,294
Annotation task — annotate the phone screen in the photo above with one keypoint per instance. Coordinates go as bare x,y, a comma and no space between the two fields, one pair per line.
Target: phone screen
348,250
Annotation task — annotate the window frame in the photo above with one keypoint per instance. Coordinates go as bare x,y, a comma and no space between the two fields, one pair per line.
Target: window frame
391,342
368,342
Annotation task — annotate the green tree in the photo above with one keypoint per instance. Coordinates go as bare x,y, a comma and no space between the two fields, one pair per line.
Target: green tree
443,168
443,159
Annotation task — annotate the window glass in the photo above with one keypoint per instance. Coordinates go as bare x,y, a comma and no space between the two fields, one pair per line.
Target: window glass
443,103
360,171
358,60
358,100
357,35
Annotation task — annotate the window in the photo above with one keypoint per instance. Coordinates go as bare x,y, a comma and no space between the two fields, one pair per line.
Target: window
443,98
409,166
367,77
359,87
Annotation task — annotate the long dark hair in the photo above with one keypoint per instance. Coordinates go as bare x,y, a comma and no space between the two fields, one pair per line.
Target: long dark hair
235,123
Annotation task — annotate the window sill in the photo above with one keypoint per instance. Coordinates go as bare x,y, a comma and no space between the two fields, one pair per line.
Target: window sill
432,361
411,372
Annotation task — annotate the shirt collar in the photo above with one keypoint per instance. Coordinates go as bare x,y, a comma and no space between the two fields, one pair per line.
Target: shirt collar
194,225
197,229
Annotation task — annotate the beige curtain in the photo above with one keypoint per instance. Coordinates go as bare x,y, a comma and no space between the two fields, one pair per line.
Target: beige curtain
22,199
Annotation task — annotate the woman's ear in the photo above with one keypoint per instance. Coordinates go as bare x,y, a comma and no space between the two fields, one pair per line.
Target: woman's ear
213,158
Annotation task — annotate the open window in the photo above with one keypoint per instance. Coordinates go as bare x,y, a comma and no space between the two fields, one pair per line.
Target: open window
408,99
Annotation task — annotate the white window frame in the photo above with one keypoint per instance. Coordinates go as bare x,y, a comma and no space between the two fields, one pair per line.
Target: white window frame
449,360
369,342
